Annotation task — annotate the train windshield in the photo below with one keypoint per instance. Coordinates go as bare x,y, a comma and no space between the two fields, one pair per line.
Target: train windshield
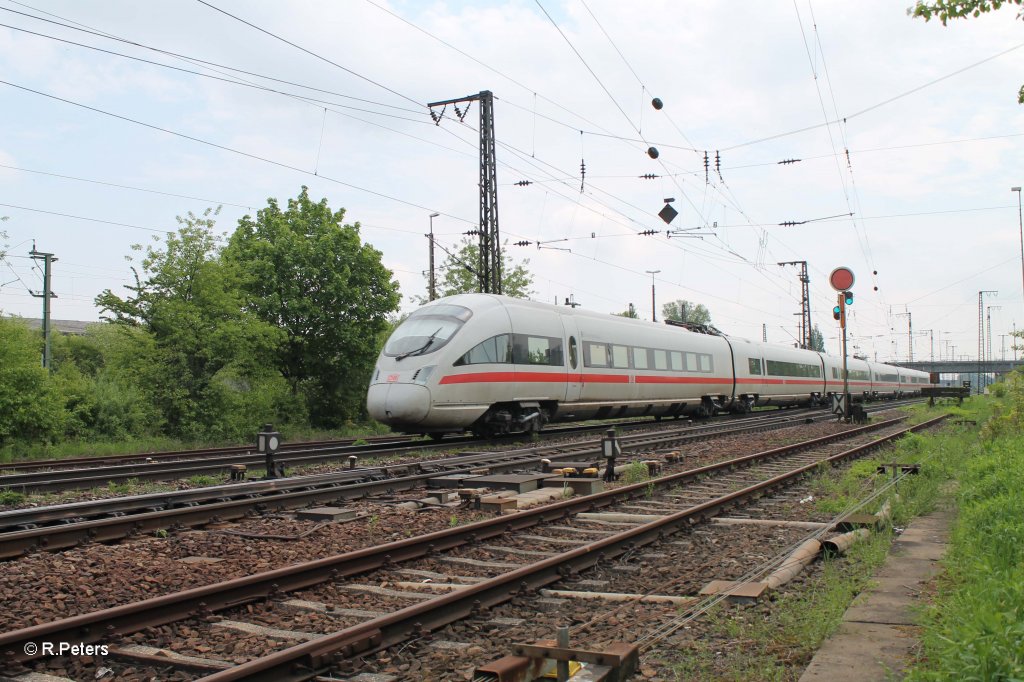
426,330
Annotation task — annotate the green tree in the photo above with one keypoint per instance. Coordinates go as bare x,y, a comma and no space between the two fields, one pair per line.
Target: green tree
460,270
198,338
309,275
685,311
629,312
30,405
103,382
962,9
817,340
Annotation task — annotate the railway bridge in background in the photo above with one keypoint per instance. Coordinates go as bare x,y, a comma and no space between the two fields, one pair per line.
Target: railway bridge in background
980,374
963,366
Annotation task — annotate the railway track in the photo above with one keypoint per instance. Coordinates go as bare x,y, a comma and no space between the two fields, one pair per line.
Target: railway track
542,546
185,464
34,477
61,526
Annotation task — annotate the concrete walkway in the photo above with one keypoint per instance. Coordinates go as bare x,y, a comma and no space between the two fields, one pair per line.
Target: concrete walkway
877,637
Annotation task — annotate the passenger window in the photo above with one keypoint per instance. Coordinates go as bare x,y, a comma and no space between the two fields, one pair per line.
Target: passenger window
620,357
705,363
596,355
536,350
676,360
755,365
640,358
691,362
572,351
660,359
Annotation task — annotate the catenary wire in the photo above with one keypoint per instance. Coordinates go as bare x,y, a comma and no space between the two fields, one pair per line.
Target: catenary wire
310,52
232,150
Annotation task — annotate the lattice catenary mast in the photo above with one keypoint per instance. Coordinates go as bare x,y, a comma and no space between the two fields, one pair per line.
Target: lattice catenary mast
489,264
805,303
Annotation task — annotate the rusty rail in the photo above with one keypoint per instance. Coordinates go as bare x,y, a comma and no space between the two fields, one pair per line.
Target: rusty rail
97,625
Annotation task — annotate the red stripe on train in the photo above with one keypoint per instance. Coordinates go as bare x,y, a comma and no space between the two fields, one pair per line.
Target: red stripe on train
533,377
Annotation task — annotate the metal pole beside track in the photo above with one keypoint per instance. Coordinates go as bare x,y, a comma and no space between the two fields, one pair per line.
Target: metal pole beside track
846,379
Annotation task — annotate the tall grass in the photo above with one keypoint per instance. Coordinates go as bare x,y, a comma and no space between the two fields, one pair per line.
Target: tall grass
95,448
974,630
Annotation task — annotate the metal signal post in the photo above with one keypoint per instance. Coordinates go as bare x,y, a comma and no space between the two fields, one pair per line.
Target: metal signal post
842,280
846,373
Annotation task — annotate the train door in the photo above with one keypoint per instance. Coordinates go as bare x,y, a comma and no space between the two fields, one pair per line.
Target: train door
573,359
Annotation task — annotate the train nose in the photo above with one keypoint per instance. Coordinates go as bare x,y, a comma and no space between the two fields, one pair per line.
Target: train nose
398,404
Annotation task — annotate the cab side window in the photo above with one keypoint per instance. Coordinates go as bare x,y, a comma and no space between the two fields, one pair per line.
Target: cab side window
495,350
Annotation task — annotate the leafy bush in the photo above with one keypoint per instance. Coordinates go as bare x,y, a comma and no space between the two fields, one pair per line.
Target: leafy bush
30,402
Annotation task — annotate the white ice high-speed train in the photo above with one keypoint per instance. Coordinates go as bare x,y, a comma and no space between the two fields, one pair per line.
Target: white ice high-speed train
492,364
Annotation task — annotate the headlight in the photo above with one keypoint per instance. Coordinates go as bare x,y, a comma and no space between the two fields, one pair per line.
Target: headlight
423,374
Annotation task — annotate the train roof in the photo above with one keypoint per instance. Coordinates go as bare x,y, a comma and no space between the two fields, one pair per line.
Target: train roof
479,301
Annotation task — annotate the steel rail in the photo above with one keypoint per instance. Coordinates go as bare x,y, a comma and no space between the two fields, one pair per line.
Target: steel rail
122,517
78,511
44,478
247,454
310,659
203,601
198,453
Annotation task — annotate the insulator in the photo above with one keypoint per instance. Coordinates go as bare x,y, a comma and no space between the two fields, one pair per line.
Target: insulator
522,243
524,183
648,176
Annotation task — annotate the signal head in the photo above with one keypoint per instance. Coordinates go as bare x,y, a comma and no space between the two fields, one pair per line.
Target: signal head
836,313
848,297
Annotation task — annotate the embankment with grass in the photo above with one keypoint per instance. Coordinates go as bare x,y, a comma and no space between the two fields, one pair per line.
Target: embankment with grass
974,627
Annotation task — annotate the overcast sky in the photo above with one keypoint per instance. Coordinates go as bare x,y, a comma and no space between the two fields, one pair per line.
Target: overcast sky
912,127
